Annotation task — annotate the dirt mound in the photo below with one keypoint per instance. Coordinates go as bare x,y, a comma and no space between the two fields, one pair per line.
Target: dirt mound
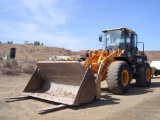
35,53
32,52
153,55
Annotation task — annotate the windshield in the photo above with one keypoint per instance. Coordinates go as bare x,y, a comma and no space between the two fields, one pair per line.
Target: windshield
114,38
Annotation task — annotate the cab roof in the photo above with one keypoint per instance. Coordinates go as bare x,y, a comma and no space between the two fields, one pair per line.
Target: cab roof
129,30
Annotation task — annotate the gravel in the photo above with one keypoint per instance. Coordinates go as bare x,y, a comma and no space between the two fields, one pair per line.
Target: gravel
139,103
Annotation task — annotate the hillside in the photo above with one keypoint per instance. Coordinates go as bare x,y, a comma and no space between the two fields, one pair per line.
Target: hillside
33,53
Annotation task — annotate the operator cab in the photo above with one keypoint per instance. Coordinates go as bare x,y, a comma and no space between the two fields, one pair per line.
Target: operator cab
120,38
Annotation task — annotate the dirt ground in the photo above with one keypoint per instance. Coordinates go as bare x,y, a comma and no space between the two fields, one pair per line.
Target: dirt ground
137,104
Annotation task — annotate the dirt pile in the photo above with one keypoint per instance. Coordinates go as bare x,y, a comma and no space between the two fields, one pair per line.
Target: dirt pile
34,53
153,55
28,55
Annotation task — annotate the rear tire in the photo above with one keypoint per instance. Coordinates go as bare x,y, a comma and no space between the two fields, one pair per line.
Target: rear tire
144,78
118,77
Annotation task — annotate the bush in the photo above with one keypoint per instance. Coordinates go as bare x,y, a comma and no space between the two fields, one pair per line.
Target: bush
7,64
10,68
13,68
10,71
10,64
29,69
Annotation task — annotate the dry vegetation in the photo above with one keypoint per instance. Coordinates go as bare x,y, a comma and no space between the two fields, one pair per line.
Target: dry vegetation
12,67
28,55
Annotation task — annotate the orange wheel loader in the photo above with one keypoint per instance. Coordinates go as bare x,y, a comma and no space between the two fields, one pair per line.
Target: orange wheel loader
73,83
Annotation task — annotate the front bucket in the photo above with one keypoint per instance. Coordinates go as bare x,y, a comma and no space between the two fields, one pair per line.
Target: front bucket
66,82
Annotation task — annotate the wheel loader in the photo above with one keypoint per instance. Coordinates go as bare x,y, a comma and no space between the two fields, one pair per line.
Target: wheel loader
74,83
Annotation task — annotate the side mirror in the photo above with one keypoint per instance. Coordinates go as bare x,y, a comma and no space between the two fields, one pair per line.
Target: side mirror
100,38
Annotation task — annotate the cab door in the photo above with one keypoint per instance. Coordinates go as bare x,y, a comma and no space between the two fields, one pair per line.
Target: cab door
131,45
134,44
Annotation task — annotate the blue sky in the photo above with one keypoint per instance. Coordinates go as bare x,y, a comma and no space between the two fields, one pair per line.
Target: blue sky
77,24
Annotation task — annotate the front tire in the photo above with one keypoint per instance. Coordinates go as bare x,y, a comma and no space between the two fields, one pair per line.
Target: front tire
118,77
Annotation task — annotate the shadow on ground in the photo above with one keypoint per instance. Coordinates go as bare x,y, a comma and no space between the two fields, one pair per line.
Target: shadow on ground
105,100
108,98
135,90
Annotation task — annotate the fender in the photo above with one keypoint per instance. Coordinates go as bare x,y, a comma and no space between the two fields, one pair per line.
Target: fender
123,58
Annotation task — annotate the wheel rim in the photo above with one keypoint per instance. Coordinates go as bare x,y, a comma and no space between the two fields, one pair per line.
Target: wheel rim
148,75
125,78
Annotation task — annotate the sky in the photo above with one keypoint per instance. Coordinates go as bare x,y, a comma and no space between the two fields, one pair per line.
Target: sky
77,24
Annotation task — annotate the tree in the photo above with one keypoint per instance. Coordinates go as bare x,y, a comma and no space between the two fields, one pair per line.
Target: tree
41,44
9,42
36,43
